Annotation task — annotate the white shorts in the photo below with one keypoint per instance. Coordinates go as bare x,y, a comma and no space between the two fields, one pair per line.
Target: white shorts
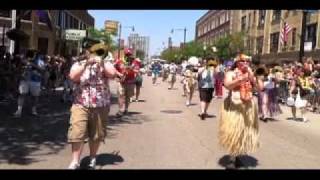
28,86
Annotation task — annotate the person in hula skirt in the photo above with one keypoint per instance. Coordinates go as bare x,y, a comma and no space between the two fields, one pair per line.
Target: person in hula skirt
238,125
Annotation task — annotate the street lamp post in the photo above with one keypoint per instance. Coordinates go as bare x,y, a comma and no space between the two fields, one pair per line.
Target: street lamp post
184,35
204,51
120,29
303,32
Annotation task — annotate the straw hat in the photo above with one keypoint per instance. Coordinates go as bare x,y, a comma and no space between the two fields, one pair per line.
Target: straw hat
242,57
99,49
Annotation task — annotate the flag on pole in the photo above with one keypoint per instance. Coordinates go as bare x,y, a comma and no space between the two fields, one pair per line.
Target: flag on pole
44,16
285,32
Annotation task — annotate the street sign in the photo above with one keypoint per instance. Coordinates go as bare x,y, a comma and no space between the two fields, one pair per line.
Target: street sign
74,34
307,46
111,26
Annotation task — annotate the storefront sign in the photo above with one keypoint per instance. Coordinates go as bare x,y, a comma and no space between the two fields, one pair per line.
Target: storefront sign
74,34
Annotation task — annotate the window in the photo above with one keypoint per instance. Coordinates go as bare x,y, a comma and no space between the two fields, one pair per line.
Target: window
276,16
243,23
294,36
286,13
59,18
26,14
67,20
4,13
294,12
274,41
222,18
311,34
262,15
227,16
249,23
259,44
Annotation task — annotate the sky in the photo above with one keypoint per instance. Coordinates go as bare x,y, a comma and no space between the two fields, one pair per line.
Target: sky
157,24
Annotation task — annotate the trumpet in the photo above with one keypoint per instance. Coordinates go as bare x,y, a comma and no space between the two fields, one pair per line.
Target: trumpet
261,71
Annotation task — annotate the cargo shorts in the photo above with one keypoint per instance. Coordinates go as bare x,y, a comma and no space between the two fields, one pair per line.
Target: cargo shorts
87,123
126,90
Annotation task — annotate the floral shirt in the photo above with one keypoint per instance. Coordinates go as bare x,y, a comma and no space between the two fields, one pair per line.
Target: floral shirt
93,90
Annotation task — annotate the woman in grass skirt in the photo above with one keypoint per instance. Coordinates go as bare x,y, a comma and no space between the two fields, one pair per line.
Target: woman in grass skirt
238,127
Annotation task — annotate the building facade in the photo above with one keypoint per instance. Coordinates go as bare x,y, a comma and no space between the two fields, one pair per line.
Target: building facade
262,31
213,25
139,43
40,37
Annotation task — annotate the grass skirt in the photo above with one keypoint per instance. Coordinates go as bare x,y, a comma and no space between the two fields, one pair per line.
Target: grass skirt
238,127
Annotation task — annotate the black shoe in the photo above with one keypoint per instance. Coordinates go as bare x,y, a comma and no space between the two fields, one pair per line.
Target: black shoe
203,116
231,165
126,112
238,163
119,114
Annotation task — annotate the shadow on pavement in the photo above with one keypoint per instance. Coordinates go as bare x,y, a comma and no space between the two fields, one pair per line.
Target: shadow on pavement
23,139
171,111
136,118
247,161
103,160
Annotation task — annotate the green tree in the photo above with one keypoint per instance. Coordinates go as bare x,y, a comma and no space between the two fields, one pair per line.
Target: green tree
192,49
103,36
171,55
140,54
229,46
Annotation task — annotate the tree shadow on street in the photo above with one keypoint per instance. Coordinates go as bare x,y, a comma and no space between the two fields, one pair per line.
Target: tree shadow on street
22,139
103,159
247,161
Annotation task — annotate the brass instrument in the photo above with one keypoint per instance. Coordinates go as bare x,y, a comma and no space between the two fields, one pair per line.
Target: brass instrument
261,71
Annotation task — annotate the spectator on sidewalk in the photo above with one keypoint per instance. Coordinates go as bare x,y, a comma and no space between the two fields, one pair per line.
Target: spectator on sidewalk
30,81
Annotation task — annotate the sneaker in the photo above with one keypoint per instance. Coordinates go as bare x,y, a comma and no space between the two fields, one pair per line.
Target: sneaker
92,164
187,103
34,112
17,114
305,120
74,166
119,114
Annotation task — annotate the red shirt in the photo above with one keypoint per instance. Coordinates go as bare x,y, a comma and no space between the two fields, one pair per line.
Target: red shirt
126,70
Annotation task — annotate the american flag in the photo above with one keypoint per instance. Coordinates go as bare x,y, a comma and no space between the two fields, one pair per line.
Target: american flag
285,32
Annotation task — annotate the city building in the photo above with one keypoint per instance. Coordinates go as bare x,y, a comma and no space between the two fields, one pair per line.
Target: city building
262,32
213,25
139,43
40,36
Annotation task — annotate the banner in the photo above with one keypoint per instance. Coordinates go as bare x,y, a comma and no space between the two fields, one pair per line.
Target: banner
111,27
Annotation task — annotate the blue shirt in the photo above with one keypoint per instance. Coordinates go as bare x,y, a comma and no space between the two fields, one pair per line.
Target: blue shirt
32,74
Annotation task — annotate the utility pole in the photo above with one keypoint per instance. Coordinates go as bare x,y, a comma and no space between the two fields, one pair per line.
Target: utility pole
18,26
13,25
303,32
3,33
119,45
185,34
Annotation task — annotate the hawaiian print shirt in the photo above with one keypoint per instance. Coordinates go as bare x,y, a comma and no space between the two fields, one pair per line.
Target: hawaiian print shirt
93,90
